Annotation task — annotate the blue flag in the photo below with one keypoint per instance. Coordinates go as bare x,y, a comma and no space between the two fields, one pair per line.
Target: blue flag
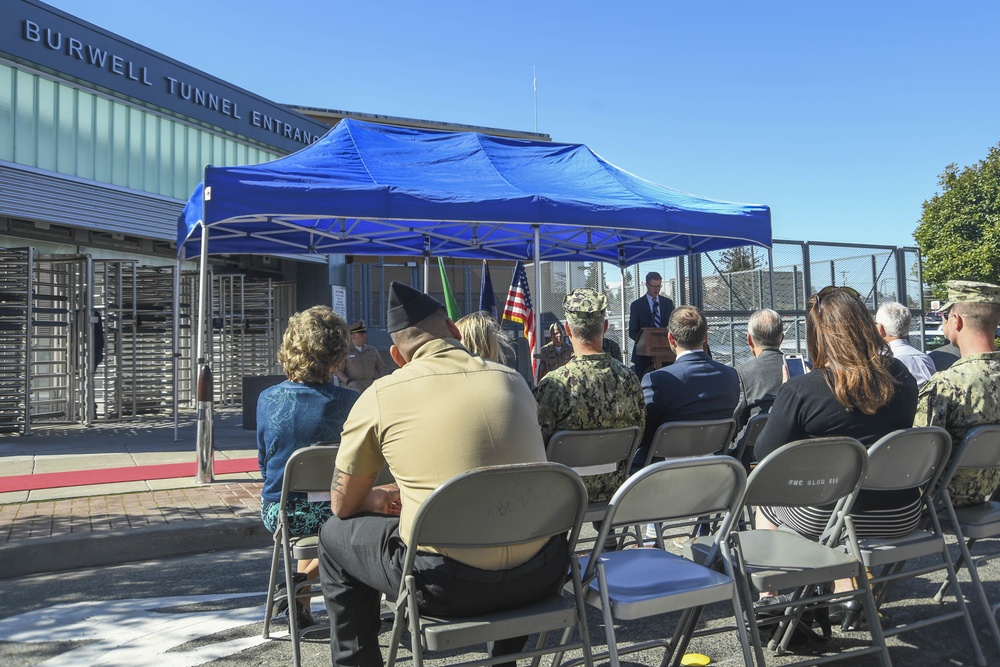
487,300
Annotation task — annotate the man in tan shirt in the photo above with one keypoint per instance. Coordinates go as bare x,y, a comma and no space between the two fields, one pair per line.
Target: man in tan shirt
363,365
444,412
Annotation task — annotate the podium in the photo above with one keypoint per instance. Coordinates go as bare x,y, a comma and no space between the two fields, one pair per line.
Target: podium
653,343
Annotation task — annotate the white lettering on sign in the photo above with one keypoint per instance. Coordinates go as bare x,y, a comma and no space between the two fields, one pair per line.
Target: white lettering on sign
129,70
74,48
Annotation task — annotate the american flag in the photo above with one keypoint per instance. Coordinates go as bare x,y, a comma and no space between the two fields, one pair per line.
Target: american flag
518,309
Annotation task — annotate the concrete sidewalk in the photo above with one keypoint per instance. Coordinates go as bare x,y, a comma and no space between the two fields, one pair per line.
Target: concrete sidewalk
100,524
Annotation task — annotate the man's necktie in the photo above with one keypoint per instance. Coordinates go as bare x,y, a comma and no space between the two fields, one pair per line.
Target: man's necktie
656,313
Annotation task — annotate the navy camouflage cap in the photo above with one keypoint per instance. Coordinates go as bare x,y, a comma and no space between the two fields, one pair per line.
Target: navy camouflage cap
970,291
585,307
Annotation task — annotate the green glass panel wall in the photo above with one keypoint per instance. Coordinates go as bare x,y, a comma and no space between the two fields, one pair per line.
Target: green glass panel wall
53,126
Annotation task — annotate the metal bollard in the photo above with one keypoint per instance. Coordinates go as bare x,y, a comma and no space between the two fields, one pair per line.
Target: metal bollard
206,428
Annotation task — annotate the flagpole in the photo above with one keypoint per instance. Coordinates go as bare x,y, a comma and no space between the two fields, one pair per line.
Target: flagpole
538,290
427,264
534,84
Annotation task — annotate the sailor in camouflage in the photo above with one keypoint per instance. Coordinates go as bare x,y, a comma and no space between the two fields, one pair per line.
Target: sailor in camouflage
593,390
967,394
557,352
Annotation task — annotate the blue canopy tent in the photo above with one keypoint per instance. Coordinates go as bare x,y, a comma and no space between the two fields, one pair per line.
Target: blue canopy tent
372,189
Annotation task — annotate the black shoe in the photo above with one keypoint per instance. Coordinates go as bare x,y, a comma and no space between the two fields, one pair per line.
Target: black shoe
303,617
280,605
850,614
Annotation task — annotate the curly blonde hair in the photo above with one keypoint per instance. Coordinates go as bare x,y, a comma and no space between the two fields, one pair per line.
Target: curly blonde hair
314,346
481,335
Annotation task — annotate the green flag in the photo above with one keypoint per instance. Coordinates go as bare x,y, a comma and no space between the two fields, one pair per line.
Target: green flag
449,297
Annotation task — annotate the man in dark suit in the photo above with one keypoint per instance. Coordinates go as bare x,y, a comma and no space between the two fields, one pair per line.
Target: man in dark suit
761,376
649,310
694,387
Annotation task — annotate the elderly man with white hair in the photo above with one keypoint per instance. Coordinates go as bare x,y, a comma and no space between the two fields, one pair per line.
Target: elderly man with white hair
893,321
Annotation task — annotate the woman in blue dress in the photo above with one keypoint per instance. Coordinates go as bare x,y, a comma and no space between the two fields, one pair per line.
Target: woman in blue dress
304,410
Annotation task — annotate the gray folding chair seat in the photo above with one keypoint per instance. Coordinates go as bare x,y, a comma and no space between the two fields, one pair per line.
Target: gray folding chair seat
539,501
308,470
979,449
816,472
638,583
594,452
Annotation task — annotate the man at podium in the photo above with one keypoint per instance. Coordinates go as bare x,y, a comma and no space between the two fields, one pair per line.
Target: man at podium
649,310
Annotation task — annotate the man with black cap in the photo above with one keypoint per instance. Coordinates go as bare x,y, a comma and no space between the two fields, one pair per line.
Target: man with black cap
967,394
364,365
444,412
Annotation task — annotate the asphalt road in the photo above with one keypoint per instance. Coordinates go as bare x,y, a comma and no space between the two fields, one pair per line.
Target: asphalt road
150,613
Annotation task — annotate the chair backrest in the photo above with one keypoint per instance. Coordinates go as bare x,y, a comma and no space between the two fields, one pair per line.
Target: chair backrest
678,489
750,435
501,505
980,448
593,452
309,469
818,472
907,458
695,438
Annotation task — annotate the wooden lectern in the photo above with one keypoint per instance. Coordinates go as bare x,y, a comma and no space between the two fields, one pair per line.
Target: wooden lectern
653,343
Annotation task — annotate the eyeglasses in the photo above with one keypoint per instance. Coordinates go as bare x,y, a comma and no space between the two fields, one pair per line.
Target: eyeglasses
830,289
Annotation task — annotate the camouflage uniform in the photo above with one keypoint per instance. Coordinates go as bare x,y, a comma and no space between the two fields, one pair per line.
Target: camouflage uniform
958,399
549,359
612,347
964,396
592,391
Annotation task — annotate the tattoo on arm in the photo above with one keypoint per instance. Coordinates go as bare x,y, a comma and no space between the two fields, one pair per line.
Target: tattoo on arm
337,484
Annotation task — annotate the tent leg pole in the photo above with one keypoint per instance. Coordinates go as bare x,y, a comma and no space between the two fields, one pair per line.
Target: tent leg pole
621,267
205,436
538,293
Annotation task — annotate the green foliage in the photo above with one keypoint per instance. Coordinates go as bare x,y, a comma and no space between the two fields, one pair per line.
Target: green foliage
959,230
740,258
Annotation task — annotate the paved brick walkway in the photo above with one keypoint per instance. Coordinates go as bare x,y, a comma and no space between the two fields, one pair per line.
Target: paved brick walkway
91,514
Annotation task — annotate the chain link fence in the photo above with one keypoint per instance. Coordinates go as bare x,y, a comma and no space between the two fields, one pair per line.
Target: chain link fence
728,285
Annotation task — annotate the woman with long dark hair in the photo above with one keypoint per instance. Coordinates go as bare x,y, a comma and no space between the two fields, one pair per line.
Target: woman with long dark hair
856,389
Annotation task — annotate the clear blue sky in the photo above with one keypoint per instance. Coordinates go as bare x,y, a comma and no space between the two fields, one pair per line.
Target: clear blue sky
838,115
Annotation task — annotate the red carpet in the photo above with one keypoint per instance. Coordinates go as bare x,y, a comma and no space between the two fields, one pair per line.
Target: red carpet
55,480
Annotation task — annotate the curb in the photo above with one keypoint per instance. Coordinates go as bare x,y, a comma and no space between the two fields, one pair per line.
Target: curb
115,547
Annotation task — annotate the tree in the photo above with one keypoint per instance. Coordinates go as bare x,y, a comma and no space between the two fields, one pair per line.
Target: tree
740,258
959,230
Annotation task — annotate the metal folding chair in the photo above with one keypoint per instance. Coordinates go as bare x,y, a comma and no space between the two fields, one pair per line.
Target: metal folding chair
979,449
493,507
309,469
637,583
674,440
743,451
816,472
594,452
904,459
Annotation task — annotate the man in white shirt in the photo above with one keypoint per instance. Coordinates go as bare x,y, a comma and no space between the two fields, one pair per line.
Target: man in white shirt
893,321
